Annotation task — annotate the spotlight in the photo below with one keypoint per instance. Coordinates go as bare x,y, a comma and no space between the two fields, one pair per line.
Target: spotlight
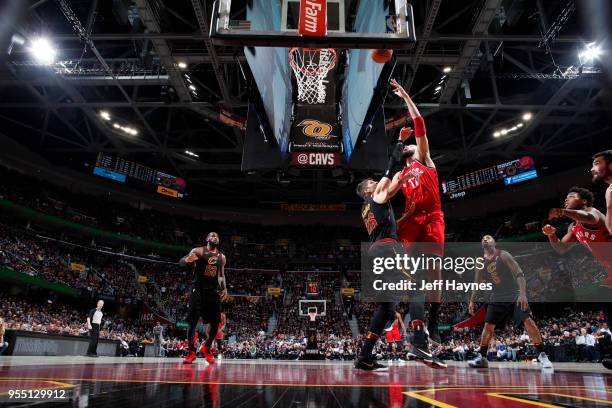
43,51
182,65
504,132
438,88
193,88
105,115
520,125
446,70
190,153
591,52
496,134
116,125
513,128
527,116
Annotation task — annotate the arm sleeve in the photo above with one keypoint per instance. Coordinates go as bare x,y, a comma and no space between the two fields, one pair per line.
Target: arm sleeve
91,314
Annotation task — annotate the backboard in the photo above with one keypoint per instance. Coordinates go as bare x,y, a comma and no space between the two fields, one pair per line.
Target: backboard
308,305
276,23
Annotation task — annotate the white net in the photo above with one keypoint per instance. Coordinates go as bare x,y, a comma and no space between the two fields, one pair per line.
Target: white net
310,66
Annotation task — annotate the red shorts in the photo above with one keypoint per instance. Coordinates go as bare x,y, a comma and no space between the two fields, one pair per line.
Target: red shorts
393,336
423,227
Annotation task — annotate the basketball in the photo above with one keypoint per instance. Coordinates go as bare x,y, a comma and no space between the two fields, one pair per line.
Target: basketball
382,56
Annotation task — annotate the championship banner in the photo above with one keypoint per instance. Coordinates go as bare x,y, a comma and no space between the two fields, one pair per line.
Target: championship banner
302,159
148,316
77,267
315,128
313,18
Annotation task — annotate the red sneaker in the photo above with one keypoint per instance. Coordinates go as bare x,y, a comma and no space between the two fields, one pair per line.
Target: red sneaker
208,355
191,356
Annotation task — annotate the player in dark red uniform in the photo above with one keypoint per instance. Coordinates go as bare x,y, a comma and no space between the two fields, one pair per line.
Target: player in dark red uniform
205,300
423,218
588,228
508,301
379,221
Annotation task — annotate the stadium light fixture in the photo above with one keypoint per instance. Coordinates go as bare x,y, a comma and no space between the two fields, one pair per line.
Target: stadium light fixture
116,125
193,88
497,134
182,65
520,125
438,88
513,128
590,52
446,70
527,116
192,154
504,132
105,115
43,51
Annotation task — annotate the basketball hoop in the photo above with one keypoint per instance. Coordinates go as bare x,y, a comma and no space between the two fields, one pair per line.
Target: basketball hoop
310,66
312,313
312,316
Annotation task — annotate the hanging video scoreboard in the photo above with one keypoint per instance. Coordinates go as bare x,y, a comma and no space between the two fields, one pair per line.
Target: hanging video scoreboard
126,171
512,172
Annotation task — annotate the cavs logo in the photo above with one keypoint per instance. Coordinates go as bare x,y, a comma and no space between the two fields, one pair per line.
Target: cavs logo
492,269
211,268
316,129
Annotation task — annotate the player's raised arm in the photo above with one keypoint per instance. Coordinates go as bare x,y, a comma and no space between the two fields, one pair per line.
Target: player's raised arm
562,245
386,189
420,132
520,279
589,216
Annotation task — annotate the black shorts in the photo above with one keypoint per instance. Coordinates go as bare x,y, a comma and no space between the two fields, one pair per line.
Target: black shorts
205,304
499,313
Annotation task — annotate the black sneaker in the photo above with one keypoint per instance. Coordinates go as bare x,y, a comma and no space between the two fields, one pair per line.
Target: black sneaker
422,355
434,334
369,365
607,362
479,362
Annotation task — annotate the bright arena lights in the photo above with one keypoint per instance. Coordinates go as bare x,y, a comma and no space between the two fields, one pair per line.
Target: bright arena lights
590,52
182,65
190,153
446,70
42,50
527,116
105,115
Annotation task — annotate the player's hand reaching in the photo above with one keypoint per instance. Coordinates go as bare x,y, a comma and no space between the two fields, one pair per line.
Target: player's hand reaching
555,213
399,90
549,230
522,302
471,308
405,133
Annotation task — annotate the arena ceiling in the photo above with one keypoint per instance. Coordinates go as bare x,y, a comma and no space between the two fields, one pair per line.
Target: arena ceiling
508,57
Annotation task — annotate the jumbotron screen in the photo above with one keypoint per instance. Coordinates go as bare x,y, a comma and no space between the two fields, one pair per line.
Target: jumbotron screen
511,172
123,171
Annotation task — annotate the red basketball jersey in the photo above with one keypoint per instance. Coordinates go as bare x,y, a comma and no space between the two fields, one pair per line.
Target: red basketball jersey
595,241
424,190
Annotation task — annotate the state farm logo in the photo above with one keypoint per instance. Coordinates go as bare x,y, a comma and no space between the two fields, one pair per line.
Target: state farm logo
316,129
316,159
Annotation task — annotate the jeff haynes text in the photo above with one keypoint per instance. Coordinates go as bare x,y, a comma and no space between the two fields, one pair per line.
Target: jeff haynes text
405,284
